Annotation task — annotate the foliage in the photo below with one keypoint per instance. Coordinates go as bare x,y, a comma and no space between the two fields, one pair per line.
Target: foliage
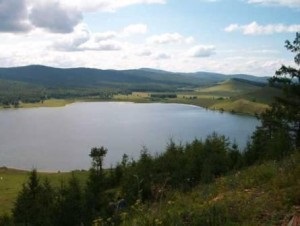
69,204
95,201
97,155
287,108
185,185
180,166
163,95
12,92
34,203
38,203
279,133
265,194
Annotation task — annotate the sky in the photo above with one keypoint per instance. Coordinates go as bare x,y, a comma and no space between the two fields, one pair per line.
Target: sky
225,36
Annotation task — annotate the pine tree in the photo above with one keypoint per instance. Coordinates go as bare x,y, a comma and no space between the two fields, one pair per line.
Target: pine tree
94,193
289,105
69,209
34,203
279,133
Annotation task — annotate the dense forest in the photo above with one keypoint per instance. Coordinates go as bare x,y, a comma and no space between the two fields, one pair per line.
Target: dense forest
110,195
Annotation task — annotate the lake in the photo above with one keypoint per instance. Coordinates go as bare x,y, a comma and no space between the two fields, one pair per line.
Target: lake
52,139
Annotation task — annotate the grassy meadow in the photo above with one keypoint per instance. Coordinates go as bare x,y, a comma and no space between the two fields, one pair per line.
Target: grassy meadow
48,103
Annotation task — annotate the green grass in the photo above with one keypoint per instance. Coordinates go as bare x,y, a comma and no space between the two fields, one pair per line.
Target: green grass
229,88
133,97
10,184
241,106
263,95
266,194
11,181
48,103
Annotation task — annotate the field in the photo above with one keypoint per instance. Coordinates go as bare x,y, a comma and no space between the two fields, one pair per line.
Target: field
11,181
48,103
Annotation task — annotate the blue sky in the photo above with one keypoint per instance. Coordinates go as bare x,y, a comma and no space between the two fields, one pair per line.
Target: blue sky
227,36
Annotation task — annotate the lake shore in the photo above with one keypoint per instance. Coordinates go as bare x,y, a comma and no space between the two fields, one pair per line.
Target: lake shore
241,106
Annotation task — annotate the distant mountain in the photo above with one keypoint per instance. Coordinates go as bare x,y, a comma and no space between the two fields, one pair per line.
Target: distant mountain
208,77
144,78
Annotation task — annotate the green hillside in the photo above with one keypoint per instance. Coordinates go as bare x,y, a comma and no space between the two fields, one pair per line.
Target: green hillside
263,95
266,194
240,106
89,77
239,95
137,79
232,87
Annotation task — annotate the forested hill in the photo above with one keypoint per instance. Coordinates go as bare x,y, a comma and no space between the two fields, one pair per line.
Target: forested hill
132,79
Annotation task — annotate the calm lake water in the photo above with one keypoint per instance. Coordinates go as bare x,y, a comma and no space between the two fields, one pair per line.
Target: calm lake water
52,139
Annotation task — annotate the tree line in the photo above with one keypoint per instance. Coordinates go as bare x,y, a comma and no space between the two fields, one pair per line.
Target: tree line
13,93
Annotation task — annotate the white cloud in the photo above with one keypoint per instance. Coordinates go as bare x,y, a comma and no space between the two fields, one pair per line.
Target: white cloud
73,41
124,3
135,29
165,38
107,45
59,16
105,36
58,38
107,5
25,15
256,29
82,40
52,16
201,51
232,27
144,52
289,3
132,29
189,40
14,52
168,38
162,56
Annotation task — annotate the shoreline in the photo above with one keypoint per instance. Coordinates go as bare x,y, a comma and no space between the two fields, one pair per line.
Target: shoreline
66,102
